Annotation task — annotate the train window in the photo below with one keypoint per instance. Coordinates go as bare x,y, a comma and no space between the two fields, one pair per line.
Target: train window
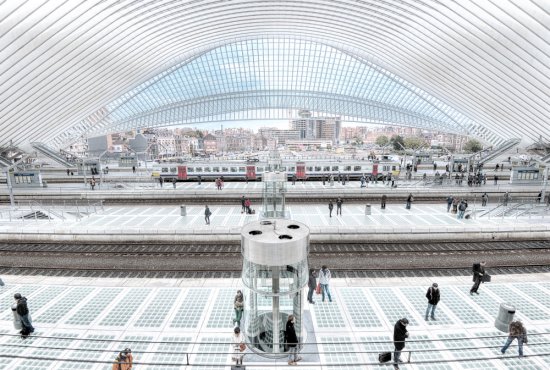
198,169
225,169
241,169
260,169
215,169
393,168
283,168
309,168
173,169
317,168
206,169
164,169
347,168
233,169
357,168
335,168
326,168
292,169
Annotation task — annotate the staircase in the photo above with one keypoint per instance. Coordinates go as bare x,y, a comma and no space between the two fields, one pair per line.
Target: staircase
498,151
4,162
37,215
52,154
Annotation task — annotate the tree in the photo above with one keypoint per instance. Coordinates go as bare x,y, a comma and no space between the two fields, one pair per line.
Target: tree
397,142
414,142
473,146
382,140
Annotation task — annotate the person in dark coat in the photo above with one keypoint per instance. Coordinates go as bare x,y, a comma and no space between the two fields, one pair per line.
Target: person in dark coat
339,202
400,333
433,299
330,208
311,284
23,312
243,207
409,201
383,203
478,270
207,214
291,340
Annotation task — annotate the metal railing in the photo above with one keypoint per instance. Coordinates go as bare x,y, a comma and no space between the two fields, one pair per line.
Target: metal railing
53,210
537,349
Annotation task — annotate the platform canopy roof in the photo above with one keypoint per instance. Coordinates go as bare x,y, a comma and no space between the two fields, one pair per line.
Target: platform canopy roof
70,69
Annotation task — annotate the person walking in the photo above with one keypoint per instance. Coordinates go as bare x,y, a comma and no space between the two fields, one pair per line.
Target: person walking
291,340
331,180
324,280
383,201
506,199
207,214
239,346
539,197
92,183
516,331
484,199
339,202
247,205
400,334
311,284
238,307
410,199
200,179
174,181
124,360
478,270
330,208
23,311
449,202
133,169
433,299
461,209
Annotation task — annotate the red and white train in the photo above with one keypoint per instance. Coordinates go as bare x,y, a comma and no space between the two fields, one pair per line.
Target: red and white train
313,169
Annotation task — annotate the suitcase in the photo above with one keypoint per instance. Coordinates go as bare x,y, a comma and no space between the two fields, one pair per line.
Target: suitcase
486,278
384,357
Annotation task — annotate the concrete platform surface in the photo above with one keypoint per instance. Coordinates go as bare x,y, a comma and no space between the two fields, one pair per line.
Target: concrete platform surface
90,319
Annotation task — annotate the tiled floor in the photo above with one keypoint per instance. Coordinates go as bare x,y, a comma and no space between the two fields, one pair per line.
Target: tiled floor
170,322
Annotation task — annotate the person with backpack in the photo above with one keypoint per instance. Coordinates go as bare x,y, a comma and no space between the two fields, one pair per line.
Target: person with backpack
433,299
124,360
461,209
516,331
324,280
23,312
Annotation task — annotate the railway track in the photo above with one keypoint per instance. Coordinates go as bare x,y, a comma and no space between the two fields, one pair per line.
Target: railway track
227,257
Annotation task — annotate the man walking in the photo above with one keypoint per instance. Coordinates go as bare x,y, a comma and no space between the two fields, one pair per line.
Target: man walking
478,270
243,207
311,284
433,298
449,202
383,202
484,199
339,202
23,312
324,281
330,208
207,214
400,333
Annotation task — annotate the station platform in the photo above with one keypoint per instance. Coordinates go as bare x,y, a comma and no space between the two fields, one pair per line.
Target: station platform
166,224
83,319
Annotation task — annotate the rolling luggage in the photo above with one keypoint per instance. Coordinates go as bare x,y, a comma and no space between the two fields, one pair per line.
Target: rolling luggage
384,357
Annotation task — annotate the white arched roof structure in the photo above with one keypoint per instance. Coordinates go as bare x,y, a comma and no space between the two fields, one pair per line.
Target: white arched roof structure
72,68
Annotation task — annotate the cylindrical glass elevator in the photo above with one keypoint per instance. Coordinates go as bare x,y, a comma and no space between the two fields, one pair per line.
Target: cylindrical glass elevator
275,270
